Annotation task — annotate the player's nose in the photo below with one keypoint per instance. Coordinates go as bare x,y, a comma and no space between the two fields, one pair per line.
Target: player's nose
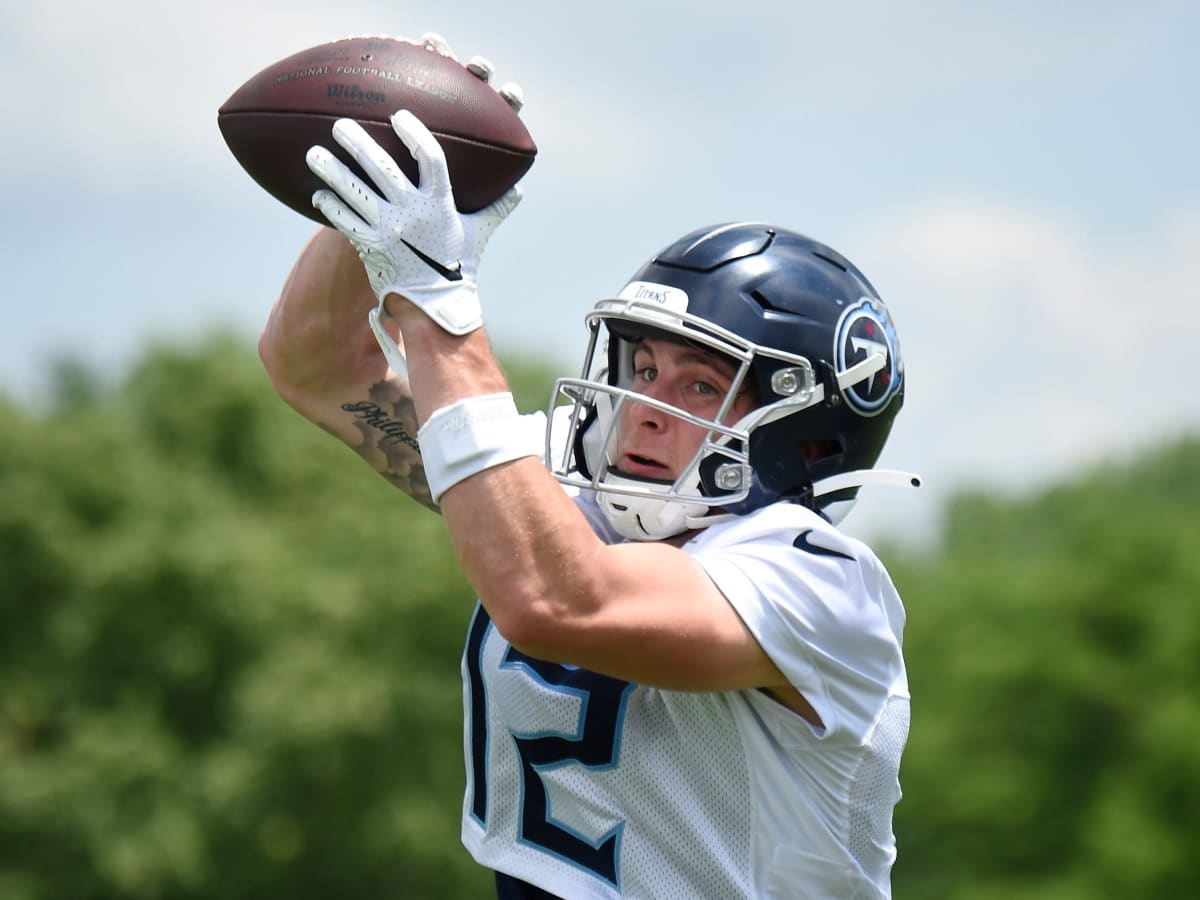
646,415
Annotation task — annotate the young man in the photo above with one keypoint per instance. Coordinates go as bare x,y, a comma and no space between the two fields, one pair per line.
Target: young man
681,680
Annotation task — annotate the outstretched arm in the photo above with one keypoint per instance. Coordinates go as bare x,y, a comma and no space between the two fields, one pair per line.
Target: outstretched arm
643,612
325,362
319,347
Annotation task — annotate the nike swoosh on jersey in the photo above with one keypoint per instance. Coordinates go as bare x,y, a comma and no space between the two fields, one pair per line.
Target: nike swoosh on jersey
450,273
802,543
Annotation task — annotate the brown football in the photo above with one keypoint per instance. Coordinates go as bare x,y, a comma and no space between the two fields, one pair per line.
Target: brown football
270,121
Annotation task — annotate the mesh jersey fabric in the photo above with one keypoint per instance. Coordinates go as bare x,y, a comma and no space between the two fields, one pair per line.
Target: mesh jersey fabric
590,787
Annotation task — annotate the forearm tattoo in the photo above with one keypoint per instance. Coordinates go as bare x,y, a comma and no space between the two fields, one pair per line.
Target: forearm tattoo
388,424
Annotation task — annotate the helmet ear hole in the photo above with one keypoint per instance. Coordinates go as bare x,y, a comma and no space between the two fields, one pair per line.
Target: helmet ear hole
774,455
815,450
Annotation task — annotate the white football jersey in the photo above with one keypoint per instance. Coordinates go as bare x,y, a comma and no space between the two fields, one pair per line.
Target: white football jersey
592,787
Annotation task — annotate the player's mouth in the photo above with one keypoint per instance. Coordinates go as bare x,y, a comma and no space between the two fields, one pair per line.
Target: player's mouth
644,467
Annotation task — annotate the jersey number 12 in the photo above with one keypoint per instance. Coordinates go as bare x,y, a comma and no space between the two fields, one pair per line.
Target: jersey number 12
595,744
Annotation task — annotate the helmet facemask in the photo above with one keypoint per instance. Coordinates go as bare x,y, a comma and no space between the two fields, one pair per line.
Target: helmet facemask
719,476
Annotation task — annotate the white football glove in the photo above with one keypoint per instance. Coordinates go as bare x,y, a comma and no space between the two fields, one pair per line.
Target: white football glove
411,239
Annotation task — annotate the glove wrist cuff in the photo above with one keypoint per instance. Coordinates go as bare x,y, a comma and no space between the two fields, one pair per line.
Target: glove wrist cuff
455,309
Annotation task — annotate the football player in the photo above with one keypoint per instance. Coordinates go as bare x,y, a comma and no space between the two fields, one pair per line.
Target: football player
681,679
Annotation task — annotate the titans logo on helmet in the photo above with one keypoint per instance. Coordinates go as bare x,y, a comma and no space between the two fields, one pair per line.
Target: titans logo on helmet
863,329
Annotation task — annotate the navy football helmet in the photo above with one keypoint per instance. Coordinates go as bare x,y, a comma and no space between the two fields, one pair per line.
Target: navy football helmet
804,329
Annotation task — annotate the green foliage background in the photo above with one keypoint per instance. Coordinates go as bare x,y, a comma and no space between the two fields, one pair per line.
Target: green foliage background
229,664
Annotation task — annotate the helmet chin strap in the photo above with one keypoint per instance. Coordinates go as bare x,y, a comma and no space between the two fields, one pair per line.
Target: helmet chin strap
865,478
837,510
655,519
645,518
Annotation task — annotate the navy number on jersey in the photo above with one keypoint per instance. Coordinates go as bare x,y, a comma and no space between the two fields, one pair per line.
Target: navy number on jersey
594,744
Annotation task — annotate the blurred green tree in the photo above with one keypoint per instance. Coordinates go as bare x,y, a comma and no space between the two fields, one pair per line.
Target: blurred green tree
1054,655
228,651
229,664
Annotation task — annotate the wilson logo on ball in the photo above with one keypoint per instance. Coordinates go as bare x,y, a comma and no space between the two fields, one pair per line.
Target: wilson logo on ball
354,92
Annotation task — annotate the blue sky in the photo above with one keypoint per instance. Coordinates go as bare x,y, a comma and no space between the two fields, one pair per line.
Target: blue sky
1018,179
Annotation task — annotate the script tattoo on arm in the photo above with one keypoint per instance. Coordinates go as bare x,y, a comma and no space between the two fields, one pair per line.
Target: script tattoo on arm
388,424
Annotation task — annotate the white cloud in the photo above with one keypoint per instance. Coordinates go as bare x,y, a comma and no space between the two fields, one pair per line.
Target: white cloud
1031,349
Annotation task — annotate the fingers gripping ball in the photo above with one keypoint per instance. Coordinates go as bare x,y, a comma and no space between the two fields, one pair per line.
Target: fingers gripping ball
270,121
411,239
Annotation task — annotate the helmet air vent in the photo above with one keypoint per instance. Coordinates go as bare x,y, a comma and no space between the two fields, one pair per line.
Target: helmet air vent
761,299
829,259
716,247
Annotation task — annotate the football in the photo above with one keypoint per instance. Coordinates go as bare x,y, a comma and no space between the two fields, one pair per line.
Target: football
270,122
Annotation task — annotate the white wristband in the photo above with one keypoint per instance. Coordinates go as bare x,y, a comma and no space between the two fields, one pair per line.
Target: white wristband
464,438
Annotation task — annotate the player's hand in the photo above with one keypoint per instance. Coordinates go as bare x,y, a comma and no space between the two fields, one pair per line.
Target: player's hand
411,239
